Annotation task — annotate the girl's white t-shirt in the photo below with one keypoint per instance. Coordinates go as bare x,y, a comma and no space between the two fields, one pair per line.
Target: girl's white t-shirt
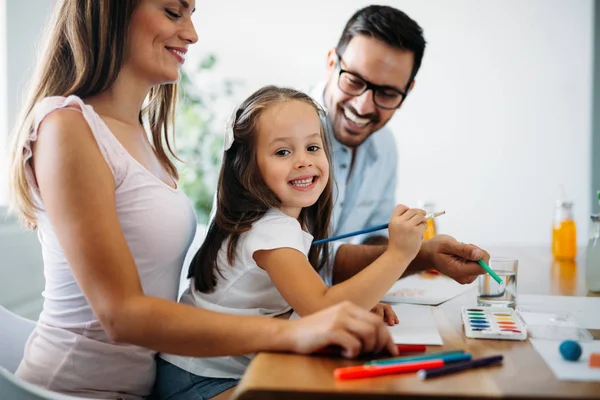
244,288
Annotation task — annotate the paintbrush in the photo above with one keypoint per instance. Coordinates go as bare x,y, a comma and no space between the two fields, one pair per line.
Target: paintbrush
372,229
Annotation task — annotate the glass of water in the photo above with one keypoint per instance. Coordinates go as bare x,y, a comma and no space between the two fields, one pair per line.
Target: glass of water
492,293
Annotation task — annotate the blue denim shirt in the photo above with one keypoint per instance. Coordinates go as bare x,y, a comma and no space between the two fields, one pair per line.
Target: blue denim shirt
367,196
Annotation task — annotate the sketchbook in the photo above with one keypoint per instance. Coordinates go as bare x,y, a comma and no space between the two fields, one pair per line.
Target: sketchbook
426,289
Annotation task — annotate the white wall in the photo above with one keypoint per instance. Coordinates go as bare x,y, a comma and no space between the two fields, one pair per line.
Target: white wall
26,20
23,27
500,116
21,269
3,110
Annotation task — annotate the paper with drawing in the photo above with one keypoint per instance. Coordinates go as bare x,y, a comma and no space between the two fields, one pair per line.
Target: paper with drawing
426,289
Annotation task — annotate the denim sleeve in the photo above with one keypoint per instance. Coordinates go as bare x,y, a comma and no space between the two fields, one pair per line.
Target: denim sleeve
382,212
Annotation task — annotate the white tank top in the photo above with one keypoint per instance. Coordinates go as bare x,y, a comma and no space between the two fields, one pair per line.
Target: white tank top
69,351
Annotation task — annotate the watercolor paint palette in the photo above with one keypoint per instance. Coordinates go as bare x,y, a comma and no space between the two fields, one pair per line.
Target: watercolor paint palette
493,323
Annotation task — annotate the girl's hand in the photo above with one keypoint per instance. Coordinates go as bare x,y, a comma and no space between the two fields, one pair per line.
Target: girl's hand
406,231
347,325
386,312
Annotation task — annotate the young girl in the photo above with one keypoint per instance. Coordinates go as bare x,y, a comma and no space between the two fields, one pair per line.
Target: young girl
274,197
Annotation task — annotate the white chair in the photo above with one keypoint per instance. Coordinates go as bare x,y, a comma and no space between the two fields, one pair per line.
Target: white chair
14,332
21,268
13,335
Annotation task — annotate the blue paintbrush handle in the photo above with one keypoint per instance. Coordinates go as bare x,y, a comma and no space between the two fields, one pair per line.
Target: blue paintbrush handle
362,231
372,229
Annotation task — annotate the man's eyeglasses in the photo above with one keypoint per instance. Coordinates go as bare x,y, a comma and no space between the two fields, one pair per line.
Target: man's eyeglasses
383,96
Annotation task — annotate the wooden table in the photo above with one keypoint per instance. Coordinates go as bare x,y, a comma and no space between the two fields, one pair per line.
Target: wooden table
524,374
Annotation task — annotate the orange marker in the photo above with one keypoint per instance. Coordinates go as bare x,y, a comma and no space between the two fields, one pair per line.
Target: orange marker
595,360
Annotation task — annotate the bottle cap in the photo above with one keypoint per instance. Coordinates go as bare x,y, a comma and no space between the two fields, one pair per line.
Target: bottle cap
428,206
564,204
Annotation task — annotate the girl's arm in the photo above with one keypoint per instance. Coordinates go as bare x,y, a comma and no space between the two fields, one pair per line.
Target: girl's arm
306,292
77,188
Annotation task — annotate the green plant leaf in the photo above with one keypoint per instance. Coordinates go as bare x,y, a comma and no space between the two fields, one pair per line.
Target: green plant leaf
199,143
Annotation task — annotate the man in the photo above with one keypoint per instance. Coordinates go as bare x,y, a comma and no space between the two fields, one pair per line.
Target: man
369,75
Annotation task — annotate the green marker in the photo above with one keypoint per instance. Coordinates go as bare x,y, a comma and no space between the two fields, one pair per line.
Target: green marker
489,271
433,356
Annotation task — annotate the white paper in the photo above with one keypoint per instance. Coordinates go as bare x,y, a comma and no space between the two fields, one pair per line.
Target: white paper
568,370
427,289
417,325
583,309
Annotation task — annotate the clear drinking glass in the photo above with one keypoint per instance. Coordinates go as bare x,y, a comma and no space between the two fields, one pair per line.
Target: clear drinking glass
492,293
592,263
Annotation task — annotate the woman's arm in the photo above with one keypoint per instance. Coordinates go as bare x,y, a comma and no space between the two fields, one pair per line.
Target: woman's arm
78,189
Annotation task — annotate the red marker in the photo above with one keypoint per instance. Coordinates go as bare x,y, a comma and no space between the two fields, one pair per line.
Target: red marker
368,371
411,348
402,348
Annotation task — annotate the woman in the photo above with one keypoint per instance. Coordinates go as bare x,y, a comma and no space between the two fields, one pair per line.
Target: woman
113,225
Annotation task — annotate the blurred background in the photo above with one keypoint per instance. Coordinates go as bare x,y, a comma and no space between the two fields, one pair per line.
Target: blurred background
500,124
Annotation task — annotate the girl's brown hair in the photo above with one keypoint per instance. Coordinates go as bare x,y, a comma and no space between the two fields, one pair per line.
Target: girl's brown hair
243,196
82,55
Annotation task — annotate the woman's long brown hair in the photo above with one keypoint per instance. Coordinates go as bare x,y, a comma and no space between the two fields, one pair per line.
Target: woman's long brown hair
243,197
82,55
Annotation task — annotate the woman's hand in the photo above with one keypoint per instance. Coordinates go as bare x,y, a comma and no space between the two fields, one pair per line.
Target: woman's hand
386,312
347,325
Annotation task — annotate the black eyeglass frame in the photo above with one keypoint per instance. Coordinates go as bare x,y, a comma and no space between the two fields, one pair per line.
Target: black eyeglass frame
370,86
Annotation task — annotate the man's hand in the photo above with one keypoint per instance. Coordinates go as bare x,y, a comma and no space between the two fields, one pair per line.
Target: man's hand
454,259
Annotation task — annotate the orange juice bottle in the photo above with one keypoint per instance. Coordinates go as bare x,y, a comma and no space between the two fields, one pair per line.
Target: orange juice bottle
430,230
564,232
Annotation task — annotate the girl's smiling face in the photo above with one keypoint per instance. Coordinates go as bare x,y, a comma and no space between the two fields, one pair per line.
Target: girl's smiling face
291,156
